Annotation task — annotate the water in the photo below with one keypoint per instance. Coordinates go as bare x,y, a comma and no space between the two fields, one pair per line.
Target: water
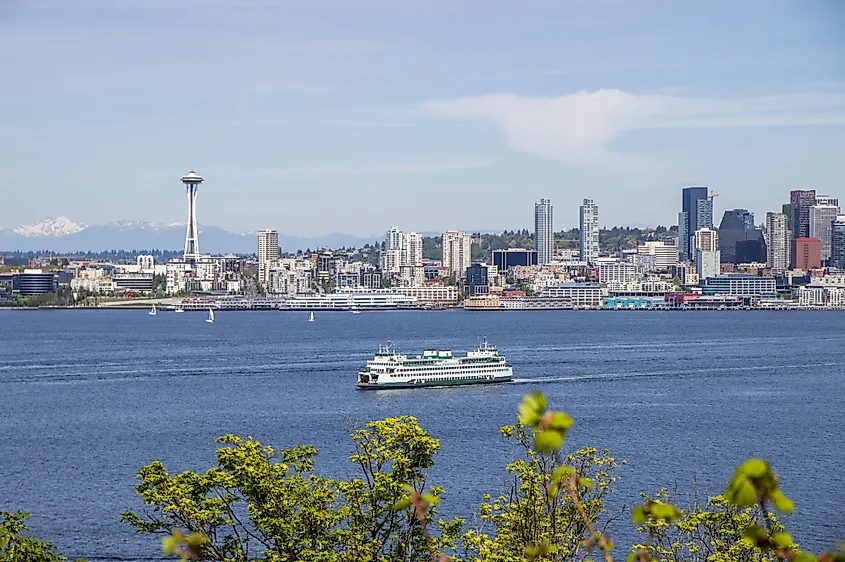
87,397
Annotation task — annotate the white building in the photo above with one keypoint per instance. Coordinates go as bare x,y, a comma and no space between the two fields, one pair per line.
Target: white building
178,274
777,241
457,252
268,252
412,276
582,295
291,277
434,294
616,271
707,263
665,255
821,225
401,249
145,262
412,249
588,236
544,232
706,239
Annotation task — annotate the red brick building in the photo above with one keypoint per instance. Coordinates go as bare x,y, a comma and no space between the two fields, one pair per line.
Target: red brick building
806,253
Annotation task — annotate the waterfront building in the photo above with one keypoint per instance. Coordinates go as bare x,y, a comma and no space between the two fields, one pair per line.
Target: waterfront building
777,244
37,282
135,282
806,253
739,284
821,221
370,300
477,280
508,258
739,240
665,255
457,252
837,242
411,276
691,219
268,252
544,233
582,295
443,295
145,262
192,181
634,303
801,201
588,234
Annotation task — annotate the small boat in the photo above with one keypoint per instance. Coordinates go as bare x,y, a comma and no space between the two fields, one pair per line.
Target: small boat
311,318
179,309
356,310
153,311
210,318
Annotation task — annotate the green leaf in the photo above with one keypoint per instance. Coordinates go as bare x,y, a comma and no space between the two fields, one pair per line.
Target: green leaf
743,493
638,515
548,441
804,557
782,503
783,540
170,544
585,483
401,504
754,468
561,473
560,421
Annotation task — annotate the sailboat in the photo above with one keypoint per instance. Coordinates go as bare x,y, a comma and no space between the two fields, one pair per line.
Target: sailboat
210,318
356,310
153,311
311,318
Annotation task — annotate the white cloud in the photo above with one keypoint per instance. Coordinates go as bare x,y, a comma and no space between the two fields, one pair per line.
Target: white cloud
397,169
577,128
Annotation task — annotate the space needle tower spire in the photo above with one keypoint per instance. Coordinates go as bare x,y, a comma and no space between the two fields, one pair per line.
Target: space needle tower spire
192,181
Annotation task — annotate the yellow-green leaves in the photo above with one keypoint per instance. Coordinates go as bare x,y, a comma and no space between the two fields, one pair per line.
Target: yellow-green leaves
185,546
532,408
753,482
549,427
655,510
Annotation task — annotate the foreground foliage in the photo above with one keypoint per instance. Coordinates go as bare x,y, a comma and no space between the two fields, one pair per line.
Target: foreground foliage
263,504
16,546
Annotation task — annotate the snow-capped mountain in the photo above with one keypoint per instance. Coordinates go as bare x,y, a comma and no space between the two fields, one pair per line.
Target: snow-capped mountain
64,235
61,226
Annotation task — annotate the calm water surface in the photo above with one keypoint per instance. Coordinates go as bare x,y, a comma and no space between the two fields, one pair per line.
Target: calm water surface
87,397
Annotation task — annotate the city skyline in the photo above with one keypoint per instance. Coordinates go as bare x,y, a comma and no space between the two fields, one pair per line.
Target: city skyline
283,110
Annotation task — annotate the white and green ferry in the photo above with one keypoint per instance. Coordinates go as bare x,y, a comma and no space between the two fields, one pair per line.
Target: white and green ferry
389,369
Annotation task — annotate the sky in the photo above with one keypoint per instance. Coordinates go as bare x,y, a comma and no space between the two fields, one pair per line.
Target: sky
319,116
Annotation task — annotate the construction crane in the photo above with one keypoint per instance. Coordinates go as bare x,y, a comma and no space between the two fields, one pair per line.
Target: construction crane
712,195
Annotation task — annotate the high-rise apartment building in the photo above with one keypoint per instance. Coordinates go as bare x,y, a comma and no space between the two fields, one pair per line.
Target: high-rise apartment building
706,239
401,249
801,201
837,243
268,252
696,213
544,232
457,252
821,221
777,234
588,235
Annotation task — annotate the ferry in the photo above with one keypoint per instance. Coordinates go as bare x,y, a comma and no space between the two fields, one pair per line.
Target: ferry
389,369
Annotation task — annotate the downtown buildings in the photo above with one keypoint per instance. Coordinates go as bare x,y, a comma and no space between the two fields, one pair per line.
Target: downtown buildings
456,253
777,233
696,213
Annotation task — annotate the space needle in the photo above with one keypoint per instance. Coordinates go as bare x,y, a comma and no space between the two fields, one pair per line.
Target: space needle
192,181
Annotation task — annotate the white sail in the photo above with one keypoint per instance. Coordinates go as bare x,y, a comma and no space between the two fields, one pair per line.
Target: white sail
311,318
210,318
153,311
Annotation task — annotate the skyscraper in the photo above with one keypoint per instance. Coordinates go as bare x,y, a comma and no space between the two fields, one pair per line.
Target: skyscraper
192,181
837,243
693,198
457,252
544,232
401,249
806,253
821,218
268,252
588,236
777,234
739,240
801,201
412,249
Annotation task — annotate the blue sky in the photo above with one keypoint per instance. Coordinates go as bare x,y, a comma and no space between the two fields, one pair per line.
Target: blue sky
320,116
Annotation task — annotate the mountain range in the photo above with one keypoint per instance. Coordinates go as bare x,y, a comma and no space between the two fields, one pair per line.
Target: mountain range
65,235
